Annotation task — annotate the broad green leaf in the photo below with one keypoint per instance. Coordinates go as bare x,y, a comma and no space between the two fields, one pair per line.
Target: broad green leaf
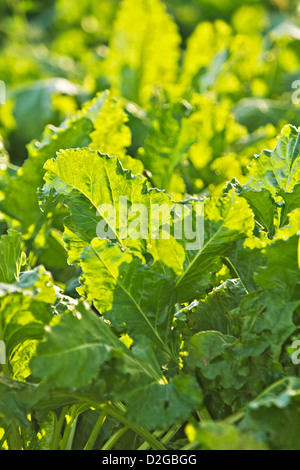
273,415
247,361
269,313
33,107
85,181
15,401
282,272
97,124
213,313
141,383
204,348
226,221
82,347
158,405
128,292
277,171
20,195
111,135
246,258
7,170
292,202
68,360
25,308
143,50
11,257
208,40
220,436
262,204
166,146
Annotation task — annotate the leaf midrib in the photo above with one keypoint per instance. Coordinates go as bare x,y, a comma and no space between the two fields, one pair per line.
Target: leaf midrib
183,275
165,347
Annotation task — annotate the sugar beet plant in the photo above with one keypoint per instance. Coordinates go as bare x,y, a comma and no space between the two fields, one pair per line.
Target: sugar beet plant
117,337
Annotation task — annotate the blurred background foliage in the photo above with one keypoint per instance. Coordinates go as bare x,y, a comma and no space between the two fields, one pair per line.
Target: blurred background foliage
211,78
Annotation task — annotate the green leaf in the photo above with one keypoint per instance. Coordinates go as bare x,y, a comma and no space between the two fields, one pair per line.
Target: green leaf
111,135
292,202
21,200
226,221
272,175
84,180
82,347
269,312
220,436
68,360
15,401
33,106
277,171
262,204
11,256
128,292
7,170
204,348
214,312
272,416
246,258
166,146
25,308
208,41
95,124
143,50
281,273
158,405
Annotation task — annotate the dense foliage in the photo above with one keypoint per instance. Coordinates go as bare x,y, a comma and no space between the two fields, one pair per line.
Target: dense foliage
142,343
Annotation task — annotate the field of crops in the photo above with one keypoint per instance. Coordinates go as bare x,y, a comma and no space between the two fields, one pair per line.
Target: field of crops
149,225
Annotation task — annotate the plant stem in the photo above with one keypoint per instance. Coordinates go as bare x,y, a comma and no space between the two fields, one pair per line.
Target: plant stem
69,432
192,446
171,433
234,418
118,413
141,431
157,434
145,445
57,430
14,439
72,435
114,439
95,433
4,438
241,414
234,271
204,415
